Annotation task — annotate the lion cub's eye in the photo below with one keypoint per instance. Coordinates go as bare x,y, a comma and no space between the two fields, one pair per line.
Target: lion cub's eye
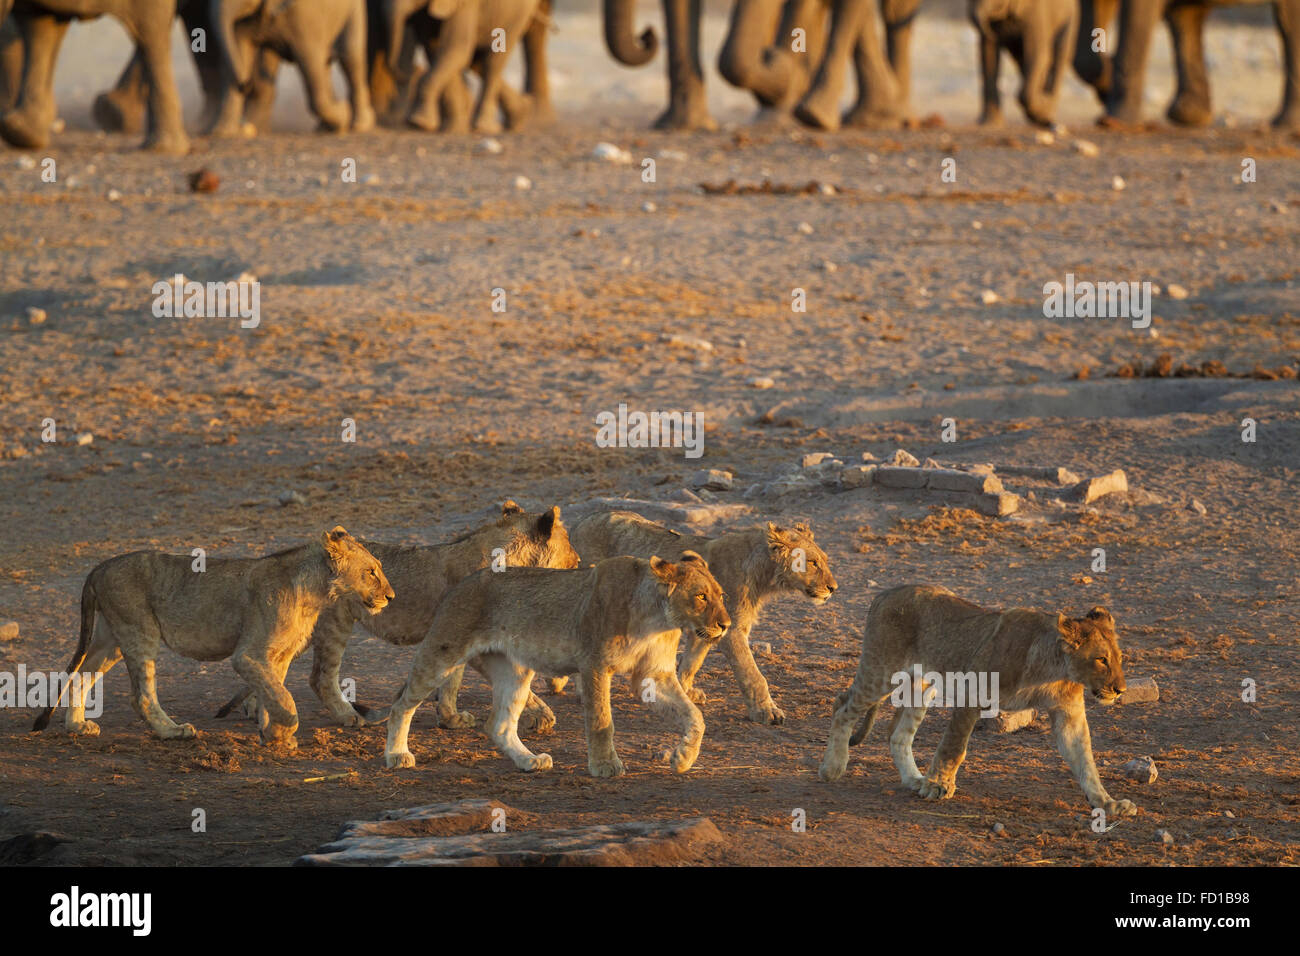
699,598
1101,661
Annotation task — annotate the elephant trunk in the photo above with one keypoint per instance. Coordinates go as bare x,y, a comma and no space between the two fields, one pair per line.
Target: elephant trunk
223,14
624,45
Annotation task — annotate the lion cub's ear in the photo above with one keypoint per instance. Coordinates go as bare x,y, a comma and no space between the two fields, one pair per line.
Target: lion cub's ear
665,571
508,507
1103,615
1069,630
692,557
547,522
776,538
336,542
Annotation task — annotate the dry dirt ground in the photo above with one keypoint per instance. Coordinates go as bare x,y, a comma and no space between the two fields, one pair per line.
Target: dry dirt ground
376,306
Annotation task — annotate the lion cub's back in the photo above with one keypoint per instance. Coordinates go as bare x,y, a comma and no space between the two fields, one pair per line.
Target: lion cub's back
926,624
611,534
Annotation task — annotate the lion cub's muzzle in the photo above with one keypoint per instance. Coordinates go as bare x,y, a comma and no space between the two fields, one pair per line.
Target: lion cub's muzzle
1106,696
819,595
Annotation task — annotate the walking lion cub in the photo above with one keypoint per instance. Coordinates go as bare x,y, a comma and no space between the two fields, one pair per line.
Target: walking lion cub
1041,660
751,566
621,616
261,611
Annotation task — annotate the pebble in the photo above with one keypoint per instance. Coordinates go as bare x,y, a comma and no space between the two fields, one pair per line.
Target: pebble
1197,507
1044,138
35,316
8,631
999,829
26,162
1176,291
523,182
761,382
292,498
712,478
762,648
114,195
1141,769
813,459
1118,184
648,206
490,146
85,438
805,228
989,297
688,341
902,459
611,153
1086,147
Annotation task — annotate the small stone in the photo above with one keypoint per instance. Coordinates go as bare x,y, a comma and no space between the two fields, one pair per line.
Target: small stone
998,505
1140,690
1229,814
931,463
999,829
902,459
35,316
204,181
1090,489
868,457
687,341
26,162
761,381
114,195
805,228
490,146
762,648
989,297
815,458
713,479
1141,769
858,476
371,179
648,206
828,266
1086,147
1044,137
1176,291
611,153
1196,506
292,498
1277,205
523,182
8,631
85,438
1118,184
826,189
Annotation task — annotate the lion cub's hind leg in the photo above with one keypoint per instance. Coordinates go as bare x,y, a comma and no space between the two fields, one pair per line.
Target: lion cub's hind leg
941,781
435,665
510,692
602,759
853,704
100,657
901,733
144,697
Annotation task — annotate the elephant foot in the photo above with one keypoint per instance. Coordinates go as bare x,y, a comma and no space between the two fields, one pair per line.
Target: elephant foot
991,116
691,114
819,113
25,131
488,124
171,143
1288,118
1187,110
117,112
774,117
425,121
363,120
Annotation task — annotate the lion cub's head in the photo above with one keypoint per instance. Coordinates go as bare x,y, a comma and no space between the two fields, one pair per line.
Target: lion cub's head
802,565
357,574
537,541
693,596
1093,653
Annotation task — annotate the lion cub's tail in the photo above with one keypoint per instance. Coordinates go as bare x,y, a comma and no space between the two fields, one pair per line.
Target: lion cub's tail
89,606
864,725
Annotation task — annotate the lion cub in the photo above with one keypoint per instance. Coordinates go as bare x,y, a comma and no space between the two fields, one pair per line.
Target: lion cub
1041,660
620,616
752,566
260,610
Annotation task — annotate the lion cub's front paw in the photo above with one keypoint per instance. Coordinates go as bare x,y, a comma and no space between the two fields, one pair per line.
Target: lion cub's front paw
401,760
1120,808
534,762
832,768
606,768
460,720
680,758
541,722
767,713
84,728
696,696
936,789
186,732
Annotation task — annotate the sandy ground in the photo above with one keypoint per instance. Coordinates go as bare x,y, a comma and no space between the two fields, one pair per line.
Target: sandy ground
376,306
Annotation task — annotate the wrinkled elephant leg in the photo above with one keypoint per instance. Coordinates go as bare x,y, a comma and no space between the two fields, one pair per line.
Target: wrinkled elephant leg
229,117
261,98
537,77
1287,15
11,63
448,60
688,108
1096,67
1191,104
352,56
122,109
487,111
990,61
1036,61
207,63
878,105
749,59
165,131
1137,23
898,15
517,107
27,125
332,112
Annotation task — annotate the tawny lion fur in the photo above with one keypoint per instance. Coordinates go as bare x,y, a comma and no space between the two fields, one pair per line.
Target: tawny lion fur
622,616
751,566
1044,661
258,611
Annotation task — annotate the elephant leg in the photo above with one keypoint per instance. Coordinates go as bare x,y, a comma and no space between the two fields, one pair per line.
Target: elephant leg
1137,22
749,59
898,15
537,78
448,60
820,106
1287,15
229,118
456,106
687,106
1092,48
206,63
487,111
1036,61
1062,47
11,63
990,60
352,55
1191,104
314,66
27,125
165,130
878,105
122,109
517,107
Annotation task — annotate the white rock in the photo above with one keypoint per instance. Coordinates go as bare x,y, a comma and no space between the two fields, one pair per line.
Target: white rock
292,498
687,341
1165,837
490,146
1086,147
761,381
1176,291
1118,184
989,297
611,153
26,162
114,195
85,438
762,648
806,228
713,479
35,316
1044,138
902,459
648,206
813,459
829,266
826,189
523,182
